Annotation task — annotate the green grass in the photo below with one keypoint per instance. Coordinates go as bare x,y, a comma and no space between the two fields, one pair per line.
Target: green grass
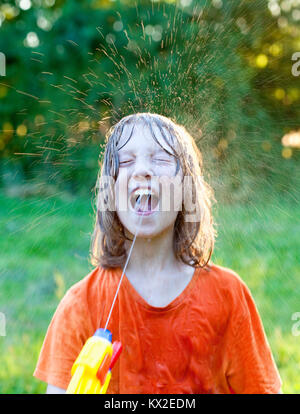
45,248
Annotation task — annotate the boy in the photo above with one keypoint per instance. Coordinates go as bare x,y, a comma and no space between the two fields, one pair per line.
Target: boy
186,325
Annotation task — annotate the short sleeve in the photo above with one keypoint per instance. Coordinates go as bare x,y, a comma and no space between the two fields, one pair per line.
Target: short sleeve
251,368
68,331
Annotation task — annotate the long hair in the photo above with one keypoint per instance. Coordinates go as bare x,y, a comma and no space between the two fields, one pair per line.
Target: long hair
193,242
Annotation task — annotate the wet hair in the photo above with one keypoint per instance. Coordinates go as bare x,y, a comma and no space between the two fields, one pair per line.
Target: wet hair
193,242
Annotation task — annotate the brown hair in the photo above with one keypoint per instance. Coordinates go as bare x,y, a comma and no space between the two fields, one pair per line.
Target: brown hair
193,241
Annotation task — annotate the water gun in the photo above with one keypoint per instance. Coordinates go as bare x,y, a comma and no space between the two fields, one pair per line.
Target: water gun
91,372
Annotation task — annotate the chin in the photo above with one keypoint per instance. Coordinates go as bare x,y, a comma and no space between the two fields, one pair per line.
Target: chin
143,233
149,231
150,226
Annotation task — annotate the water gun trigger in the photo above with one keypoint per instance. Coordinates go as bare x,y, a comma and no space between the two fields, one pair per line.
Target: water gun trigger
117,349
109,361
103,369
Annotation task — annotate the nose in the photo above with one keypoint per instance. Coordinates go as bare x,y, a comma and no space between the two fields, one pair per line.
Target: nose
142,168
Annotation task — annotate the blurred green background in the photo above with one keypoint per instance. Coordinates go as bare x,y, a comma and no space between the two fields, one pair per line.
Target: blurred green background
223,69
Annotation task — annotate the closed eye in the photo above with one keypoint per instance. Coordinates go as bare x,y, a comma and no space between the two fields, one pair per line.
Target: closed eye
125,162
162,160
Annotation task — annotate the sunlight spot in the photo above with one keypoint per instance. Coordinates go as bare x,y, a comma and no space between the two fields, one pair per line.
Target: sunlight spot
9,12
132,45
110,38
156,36
287,153
279,93
293,94
186,3
158,28
296,14
286,5
217,3
274,8
242,24
282,22
21,130
292,139
275,49
31,40
149,29
43,23
24,4
261,61
118,26
49,3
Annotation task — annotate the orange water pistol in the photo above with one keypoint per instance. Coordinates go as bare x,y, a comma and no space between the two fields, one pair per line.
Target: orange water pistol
91,372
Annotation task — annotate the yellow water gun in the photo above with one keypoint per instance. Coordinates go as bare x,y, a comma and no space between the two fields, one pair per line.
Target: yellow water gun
91,372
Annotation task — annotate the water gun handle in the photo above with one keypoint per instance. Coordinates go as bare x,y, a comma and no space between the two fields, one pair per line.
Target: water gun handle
91,372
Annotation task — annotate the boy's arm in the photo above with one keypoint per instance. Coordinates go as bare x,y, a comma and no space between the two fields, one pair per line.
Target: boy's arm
51,389
70,327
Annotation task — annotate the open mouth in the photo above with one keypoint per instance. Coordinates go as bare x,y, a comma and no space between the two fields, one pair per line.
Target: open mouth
144,201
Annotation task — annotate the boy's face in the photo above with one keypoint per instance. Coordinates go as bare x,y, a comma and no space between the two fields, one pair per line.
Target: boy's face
145,168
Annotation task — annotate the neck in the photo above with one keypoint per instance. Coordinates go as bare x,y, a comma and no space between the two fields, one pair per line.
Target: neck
154,255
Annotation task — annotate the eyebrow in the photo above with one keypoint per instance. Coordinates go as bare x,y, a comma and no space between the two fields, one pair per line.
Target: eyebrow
130,152
124,152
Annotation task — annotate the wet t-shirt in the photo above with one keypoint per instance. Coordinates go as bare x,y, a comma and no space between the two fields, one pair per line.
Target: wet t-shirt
210,339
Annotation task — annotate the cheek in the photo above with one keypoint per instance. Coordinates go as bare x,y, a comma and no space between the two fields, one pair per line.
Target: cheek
166,170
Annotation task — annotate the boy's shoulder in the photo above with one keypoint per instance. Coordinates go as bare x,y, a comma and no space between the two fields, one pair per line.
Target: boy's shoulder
95,279
229,287
227,282
224,276
90,287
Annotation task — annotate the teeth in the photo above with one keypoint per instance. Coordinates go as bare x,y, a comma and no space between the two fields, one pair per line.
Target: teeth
138,194
142,192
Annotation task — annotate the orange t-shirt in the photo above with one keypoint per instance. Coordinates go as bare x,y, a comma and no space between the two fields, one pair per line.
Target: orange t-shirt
210,339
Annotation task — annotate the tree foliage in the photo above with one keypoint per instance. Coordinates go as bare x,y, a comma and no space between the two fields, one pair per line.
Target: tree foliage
223,69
